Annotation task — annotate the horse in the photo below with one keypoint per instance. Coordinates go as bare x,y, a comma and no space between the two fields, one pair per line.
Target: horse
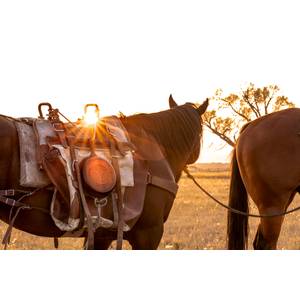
177,131
266,166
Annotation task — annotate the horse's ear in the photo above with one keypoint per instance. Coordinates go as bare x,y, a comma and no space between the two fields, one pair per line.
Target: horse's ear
172,102
202,108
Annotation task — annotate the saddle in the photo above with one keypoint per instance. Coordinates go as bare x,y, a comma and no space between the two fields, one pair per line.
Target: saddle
100,176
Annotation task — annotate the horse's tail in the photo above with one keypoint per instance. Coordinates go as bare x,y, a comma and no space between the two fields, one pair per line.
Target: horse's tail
237,225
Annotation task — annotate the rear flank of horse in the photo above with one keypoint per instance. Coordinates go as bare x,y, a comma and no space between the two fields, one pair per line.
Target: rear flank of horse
9,152
265,164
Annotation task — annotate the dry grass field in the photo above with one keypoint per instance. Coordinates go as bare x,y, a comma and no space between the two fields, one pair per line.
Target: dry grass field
195,222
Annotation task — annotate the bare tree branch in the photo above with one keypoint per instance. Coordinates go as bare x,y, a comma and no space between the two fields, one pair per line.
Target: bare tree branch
250,104
252,107
222,136
267,103
236,111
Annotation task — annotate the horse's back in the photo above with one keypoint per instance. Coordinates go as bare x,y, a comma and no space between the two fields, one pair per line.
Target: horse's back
7,128
8,150
268,152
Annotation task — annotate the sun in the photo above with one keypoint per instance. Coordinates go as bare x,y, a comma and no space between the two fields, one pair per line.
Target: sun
91,114
90,118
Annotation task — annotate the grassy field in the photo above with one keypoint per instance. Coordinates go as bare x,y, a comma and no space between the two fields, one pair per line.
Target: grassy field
195,222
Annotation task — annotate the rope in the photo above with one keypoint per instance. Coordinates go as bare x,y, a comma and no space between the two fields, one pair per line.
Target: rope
67,119
189,175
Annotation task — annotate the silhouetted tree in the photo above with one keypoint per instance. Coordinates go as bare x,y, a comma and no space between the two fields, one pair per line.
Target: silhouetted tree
234,110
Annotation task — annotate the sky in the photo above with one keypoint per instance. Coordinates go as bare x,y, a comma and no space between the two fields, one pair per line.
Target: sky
130,55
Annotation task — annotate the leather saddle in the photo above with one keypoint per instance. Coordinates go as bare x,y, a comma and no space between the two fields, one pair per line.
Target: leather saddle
99,176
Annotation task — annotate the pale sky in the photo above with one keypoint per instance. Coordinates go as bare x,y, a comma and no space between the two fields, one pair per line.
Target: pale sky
130,55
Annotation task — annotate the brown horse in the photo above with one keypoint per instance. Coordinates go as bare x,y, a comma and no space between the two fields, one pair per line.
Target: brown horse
265,165
177,131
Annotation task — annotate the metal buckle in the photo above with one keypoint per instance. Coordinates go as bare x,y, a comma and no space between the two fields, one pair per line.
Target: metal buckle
149,178
58,127
9,192
100,202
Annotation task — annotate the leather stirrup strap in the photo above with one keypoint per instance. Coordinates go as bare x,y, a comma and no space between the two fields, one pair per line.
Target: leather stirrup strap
55,240
120,226
60,131
90,227
6,238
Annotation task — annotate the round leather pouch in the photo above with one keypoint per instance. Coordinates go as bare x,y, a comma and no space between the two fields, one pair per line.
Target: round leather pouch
98,174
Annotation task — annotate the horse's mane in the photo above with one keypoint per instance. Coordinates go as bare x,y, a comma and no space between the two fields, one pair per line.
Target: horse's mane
175,129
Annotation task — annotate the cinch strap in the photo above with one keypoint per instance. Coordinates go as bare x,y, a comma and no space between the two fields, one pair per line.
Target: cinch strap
165,184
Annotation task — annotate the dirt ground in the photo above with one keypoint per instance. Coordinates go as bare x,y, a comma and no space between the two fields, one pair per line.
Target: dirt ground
195,222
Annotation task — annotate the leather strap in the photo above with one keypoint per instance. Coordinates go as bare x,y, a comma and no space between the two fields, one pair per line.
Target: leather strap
60,131
8,192
13,192
19,205
6,238
55,240
120,204
90,235
170,186
12,202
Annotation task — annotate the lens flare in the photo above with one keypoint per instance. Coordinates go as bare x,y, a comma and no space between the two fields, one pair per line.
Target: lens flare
90,118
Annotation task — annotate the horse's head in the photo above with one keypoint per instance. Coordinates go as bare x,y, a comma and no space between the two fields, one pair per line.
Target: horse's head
200,109
177,131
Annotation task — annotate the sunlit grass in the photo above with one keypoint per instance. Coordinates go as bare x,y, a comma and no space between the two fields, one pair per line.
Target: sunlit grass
195,221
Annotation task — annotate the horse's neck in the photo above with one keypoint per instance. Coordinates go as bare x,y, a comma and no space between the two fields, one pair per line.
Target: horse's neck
152,148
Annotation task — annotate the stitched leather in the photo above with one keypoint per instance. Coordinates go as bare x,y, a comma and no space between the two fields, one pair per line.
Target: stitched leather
163,183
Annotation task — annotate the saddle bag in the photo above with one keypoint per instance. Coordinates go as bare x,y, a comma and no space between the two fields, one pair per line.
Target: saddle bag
98,175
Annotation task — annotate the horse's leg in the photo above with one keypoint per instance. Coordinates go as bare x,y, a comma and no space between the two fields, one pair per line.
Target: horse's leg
268,230
148,230
102,244
146,238
102,240
267,234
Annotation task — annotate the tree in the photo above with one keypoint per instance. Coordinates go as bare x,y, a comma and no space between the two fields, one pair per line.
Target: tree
234,110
